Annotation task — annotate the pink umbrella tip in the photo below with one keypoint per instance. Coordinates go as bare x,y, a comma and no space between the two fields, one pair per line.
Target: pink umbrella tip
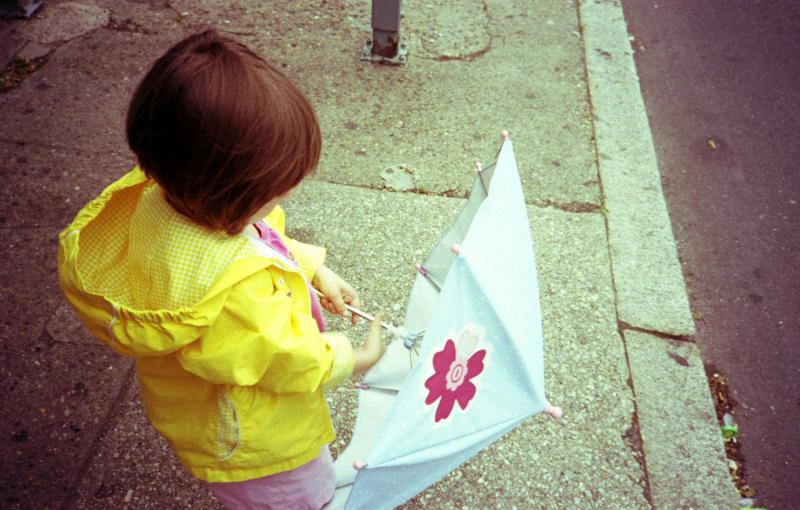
504,134
553,411
456,248
359,465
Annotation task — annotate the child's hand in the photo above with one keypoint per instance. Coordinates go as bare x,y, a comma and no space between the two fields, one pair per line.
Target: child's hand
336,292
372,350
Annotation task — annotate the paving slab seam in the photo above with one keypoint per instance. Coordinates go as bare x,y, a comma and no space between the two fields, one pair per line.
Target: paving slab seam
412,191
9,228
108,419
569,207
624,326
45,145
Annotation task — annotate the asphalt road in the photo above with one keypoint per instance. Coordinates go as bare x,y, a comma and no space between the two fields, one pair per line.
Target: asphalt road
721,83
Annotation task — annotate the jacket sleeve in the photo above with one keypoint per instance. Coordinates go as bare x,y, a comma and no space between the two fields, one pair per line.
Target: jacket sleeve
308,256
258,339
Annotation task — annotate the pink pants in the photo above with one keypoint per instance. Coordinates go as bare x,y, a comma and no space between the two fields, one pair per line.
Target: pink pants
309,487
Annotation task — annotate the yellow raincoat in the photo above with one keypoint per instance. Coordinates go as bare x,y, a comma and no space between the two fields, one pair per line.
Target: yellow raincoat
231,363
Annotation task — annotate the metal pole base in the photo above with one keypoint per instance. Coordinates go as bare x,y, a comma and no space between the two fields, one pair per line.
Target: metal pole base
399,58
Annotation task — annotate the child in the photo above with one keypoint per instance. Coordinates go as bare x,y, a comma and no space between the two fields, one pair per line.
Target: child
173,265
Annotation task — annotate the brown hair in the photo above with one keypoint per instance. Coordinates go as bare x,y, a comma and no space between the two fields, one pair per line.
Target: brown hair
221,131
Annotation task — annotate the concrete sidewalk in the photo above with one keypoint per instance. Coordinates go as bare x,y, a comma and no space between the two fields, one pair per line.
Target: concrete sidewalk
639,429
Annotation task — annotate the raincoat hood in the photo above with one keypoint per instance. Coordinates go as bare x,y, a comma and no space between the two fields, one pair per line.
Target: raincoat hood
134,306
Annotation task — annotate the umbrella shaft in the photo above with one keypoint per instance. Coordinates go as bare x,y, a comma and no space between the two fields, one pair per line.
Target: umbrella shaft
360,313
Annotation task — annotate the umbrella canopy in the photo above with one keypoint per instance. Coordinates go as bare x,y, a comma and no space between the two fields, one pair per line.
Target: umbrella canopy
480,368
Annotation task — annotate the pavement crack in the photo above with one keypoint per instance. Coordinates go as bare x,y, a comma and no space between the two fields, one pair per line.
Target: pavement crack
632,436
634,440
18,70
115,408
461,34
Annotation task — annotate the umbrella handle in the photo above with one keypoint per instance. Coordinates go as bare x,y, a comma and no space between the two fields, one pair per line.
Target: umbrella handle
362,314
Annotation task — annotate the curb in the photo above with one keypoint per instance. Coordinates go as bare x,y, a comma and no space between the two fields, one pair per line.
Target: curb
651,294
685,462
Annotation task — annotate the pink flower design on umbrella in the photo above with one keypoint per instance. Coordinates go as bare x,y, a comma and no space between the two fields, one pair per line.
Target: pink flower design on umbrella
453,370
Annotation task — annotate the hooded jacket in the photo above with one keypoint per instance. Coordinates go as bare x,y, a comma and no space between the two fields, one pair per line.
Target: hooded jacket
231,363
